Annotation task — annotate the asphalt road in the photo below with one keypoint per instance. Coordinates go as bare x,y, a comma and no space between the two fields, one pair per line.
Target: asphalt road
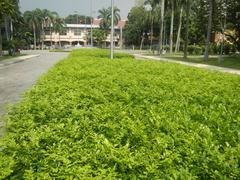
17,76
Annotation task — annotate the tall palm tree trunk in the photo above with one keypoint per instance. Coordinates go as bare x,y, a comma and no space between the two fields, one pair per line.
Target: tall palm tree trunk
1,52
206,54
179,30
6,24
59,38
220,59
151,38
51,36
161,26
43,35
34,36
187,30
171,30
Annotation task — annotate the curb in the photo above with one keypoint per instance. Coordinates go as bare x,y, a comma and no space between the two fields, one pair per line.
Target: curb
197,65
17,60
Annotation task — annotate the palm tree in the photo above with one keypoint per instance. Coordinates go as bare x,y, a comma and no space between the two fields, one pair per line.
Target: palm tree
161,26
104,15
48,18
180,3
209,29
33,18
7,8
116,14
153,5
52,16
58,27
172,2
187,28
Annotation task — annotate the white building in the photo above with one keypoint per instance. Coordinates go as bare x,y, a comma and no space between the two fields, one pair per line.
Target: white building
75,34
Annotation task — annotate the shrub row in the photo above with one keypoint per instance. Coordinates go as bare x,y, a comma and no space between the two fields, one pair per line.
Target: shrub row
93,118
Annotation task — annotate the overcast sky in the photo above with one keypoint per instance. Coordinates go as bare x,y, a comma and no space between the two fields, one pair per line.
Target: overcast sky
66,7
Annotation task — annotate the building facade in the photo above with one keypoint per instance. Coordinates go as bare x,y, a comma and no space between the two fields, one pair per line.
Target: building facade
77,35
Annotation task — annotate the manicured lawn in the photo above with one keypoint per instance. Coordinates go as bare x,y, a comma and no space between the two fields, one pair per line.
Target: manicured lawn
228,61
93,118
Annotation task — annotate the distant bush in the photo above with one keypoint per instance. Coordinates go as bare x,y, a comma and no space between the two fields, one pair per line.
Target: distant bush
195,50
229,49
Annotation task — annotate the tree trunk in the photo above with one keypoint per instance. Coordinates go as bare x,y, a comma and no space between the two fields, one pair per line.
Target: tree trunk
179,31
60,45
121,38
223,34
151,38
6,27
187,31
43,35
142,42
1,51
51,36
164,34
206,54
171,30
11,28
34,34
161,26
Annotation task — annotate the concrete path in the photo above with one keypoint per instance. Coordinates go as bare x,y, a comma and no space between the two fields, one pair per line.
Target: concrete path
203,66
19,74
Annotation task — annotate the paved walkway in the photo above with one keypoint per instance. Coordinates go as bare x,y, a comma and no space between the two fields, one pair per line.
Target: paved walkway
19,74
203,66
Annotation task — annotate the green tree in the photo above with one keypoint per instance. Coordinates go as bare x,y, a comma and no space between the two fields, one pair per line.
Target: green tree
209,30
104,15
58,27
99,36
77,19
116,14
152,16
48,19
33,19
233,23
161,25
173,5
188,8
135,26
6,9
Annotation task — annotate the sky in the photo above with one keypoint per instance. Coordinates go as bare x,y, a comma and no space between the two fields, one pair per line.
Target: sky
66,7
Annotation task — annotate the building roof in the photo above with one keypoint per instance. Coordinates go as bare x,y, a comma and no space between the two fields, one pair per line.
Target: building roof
121,23
88,26
96,24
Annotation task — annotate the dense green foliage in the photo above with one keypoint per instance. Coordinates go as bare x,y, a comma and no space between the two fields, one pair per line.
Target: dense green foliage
226,19
77,19
90,117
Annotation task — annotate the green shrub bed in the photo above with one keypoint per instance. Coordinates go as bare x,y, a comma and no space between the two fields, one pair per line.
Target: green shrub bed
93,118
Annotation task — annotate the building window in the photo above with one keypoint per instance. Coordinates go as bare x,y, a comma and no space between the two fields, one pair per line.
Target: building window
77,32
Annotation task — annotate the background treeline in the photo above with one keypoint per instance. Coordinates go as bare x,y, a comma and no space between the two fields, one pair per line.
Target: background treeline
175,25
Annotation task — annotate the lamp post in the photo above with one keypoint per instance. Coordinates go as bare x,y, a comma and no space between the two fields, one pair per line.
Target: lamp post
78,44
112,30
91,24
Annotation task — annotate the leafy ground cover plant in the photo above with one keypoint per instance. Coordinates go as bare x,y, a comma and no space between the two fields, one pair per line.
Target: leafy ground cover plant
93,118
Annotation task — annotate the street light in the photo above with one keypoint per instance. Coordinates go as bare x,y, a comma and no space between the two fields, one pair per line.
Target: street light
78,44
91,24
112,30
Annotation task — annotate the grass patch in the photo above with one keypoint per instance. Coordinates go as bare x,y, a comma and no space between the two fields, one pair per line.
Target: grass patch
7,57
228,61
93,118
60,50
